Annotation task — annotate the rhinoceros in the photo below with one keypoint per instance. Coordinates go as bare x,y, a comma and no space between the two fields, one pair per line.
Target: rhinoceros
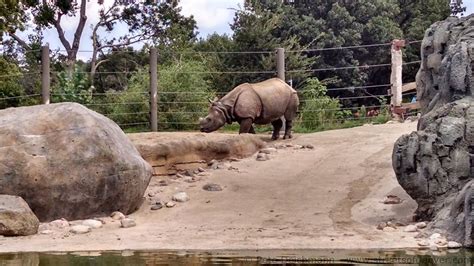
260,103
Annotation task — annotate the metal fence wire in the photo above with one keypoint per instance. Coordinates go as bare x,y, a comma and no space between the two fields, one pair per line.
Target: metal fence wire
156,108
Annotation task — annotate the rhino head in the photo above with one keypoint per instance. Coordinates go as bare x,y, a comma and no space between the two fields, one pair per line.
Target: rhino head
216,118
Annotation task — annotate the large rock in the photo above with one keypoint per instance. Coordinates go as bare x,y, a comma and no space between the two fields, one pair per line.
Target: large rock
445,73
435,165
69,162
16,217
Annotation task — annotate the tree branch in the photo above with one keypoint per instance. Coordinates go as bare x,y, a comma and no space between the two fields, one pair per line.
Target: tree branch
20,41
138,38
80,27
101,62
59,29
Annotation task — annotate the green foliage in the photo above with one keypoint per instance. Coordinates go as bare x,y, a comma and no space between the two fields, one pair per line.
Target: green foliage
10,16
10,86
182,97
72,88
317,108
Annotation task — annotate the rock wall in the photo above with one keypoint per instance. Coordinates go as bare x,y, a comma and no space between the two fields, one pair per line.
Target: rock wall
171,152
445,73
435,164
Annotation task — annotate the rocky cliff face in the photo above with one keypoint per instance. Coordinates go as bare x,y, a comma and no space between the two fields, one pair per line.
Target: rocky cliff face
435,164
447,54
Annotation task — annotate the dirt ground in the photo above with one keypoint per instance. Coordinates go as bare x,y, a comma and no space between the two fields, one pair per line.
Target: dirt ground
322,198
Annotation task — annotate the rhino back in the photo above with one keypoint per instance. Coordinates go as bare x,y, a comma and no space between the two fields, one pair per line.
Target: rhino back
276,97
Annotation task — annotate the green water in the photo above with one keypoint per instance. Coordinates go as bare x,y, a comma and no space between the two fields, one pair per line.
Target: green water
282,257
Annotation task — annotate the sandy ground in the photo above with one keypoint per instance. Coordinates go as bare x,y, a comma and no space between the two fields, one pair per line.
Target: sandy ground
326,197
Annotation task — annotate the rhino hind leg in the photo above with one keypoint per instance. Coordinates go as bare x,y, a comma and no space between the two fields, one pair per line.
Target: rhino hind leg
277,124
288,126
246,126
251,130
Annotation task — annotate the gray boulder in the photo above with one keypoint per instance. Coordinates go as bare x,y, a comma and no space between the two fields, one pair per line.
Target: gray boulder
16,217
435,164
69,162
445,74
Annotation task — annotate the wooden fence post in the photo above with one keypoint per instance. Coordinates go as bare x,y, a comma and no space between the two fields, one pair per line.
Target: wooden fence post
280,64
45,75
153,89
396,77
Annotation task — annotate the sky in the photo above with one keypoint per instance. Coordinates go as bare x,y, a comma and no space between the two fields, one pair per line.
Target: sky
211,16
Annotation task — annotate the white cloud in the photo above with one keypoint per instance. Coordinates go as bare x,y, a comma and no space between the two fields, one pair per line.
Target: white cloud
211,15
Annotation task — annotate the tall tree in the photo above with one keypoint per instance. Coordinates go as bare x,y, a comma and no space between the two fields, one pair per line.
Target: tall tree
256,28
145,20
159,23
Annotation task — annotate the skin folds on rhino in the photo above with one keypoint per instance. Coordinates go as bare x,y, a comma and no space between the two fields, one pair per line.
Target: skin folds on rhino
260,103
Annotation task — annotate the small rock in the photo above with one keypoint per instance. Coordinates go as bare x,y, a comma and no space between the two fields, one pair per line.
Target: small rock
180,197
309,146
60,223
200,169
196,172
423,243
151,194
410,228
381,225
203,174
212,187
179,176
263,157
433,247
100,219
390,224
117,216
389,229
234,159
225,165
80,229
157,206
127,222
93,224
211,162
398,223
298,147
163,183
170,204
421,225
189,179
46,232
289,145
268,150
454,244
392,199
435,236
441,242
189,173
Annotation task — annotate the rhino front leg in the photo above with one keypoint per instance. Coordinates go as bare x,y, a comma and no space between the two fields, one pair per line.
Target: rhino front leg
277,124
246,125
288,126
